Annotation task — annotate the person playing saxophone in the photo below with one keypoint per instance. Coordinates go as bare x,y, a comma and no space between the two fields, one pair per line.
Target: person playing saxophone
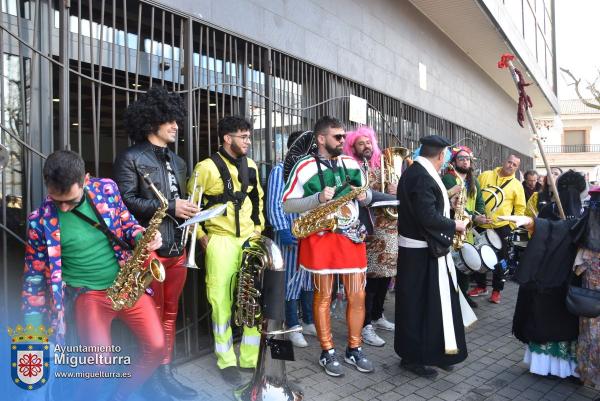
314,181
77,241
151,123
460,177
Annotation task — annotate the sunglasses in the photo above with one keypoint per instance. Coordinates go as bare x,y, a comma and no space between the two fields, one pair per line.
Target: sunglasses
339,137
463,158
72,202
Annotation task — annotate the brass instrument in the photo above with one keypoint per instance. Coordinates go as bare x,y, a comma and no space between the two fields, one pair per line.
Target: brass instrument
460,214
190,261
185,235
260,303
392,166
134,277
326,216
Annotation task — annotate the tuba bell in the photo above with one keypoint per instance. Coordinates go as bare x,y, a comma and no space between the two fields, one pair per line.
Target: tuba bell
260,303
394,160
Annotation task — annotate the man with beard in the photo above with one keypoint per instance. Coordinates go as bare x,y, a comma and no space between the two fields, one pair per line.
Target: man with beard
382,239
460,178
151,123
430,311
314,180
502,182
229,177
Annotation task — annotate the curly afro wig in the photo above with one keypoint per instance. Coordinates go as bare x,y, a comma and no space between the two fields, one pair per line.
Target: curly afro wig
153,108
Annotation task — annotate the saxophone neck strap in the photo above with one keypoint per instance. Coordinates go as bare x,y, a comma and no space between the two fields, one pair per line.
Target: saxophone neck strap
101,225
334,167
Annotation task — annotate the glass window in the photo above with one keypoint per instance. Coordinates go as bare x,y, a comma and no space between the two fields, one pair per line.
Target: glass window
530,28
14,111
574,137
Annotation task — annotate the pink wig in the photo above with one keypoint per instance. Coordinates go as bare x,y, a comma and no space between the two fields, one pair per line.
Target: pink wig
351,138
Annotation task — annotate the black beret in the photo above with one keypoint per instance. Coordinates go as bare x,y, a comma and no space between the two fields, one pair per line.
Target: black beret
435,140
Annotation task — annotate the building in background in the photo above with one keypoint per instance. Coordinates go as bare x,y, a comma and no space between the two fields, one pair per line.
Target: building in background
423,67
574,144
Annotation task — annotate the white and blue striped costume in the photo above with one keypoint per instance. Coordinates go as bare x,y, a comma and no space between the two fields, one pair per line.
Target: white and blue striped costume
296,279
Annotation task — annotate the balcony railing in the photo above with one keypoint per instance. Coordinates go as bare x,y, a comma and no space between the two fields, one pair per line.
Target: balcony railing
572,148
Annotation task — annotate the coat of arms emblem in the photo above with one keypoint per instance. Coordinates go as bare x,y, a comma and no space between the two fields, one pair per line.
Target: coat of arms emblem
30,356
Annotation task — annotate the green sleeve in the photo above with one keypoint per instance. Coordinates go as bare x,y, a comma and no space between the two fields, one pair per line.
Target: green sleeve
449,181
479,204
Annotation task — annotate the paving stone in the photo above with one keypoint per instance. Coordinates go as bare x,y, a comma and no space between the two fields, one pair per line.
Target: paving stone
493,371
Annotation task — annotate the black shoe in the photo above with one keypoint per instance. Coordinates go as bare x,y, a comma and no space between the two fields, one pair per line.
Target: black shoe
153,390
174,386
471,302
231,375
420,370
446,368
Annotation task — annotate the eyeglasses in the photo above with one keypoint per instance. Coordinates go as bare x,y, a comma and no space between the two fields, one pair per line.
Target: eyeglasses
339,137
71,202
244,138
463,158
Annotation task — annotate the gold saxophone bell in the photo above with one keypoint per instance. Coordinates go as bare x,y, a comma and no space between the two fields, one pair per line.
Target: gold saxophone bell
157,270
394,161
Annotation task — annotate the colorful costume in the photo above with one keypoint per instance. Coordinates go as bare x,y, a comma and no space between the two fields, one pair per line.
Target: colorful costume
48,277
326,253
382,239
227,233
298,281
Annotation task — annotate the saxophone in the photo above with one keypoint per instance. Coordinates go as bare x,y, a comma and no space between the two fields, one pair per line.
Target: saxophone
134,277
326,216
460,214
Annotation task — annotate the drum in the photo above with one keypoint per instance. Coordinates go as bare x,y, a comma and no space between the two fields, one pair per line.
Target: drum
488,257
519,238
489,237
467,259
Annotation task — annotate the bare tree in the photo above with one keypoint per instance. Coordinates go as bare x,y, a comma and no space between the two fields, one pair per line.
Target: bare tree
591,86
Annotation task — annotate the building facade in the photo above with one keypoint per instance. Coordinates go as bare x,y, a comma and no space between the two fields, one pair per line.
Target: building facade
69,69
574,144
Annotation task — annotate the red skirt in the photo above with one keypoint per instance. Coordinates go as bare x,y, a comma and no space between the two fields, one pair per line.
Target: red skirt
325,253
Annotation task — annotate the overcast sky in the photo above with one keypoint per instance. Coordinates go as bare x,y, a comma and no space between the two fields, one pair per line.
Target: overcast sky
577,42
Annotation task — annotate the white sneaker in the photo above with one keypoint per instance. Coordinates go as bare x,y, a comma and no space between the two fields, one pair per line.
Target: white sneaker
383,324
371,338
309,329
297,338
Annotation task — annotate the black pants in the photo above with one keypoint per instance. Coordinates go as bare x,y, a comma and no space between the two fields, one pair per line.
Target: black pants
497,274
463,281
376,290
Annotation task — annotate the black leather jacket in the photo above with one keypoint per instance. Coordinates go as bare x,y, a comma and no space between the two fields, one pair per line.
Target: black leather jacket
128,169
